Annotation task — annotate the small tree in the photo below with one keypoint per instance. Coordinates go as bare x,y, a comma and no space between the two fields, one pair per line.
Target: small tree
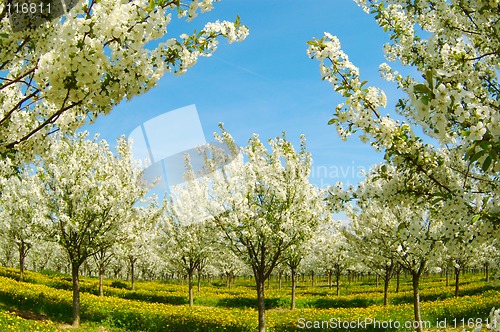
294,258
227,263
408,223
372,244
21,211
139,235
331,253
188,233
89,194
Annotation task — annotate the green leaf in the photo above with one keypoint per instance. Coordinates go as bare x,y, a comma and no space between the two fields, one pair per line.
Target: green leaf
485,145
476,218
477,155
470,152
428,77
422,88
436,200
486,164
332,121
237,21
425,100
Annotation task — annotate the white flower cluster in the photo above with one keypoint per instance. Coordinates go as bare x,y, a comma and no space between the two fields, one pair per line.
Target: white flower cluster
361,103
69,70
228,30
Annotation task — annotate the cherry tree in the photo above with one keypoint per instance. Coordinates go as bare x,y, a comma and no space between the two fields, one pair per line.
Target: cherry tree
454,101
331,252
21,211
188,234
139,235
293,259
417,229
132,242
60,72
487,255
7,251
460,253
89,194
370,244
45,255
295,254
263,203
227,263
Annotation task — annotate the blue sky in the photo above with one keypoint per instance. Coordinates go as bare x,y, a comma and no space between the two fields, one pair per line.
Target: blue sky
267,84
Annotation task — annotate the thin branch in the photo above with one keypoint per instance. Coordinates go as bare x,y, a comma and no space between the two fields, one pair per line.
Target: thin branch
17,79
9,113
51,119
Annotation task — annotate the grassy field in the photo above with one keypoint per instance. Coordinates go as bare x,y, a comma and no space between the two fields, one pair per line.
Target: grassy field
43,303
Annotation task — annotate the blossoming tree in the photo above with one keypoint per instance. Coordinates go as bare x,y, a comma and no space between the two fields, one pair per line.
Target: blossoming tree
139,236
412,231
455,47
370,244
89,194
331,253
21,212
188,236
263,204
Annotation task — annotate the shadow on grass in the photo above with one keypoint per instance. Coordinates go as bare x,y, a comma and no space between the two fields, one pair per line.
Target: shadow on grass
251,302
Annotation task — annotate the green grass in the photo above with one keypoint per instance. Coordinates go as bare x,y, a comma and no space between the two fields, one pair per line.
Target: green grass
161,306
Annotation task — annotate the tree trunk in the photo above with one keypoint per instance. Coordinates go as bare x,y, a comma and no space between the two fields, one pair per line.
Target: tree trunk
447,277
312,278
261,303
22,255
292,305
377,279
416,301
190,282
280,276
76,293
337,277
397,280
330,279
101,279
457,280
132,276
486,272
386,288
199,282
